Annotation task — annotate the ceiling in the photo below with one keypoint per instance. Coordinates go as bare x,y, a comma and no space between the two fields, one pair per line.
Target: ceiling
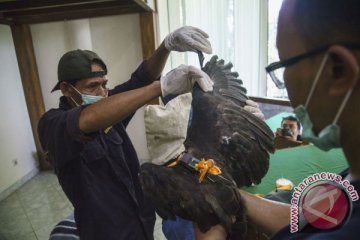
38,11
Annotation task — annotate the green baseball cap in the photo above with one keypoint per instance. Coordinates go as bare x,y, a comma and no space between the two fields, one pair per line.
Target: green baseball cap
76,65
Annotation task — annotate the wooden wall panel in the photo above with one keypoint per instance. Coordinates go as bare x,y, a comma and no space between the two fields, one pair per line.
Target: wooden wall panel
149,33
149,37
40,11
30,81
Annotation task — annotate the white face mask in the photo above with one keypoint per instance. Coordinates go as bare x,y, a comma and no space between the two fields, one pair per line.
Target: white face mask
86,99
329,137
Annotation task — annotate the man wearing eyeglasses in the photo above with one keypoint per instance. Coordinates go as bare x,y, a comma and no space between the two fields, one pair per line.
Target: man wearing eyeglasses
87,143
318,43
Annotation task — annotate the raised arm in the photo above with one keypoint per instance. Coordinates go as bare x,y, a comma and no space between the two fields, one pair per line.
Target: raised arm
115,108
156,63
182,40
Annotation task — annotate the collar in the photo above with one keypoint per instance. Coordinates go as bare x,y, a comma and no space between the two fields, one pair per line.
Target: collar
64,103
205,167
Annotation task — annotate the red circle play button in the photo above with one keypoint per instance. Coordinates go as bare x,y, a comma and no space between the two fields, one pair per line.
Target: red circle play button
325,205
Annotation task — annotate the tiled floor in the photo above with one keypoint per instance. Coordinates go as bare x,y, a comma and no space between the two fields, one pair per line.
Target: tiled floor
32,211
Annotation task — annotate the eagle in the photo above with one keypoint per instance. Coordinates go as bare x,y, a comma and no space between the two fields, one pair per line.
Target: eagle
226,148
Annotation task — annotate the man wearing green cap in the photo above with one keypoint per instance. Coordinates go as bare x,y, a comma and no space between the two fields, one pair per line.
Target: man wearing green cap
87,143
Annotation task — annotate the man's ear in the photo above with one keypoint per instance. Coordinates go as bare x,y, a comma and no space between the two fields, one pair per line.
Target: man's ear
65,89
344,70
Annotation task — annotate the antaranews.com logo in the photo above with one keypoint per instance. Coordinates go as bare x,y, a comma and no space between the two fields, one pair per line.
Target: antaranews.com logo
323,200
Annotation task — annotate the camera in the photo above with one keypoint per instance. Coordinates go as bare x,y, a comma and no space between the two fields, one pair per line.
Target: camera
286,132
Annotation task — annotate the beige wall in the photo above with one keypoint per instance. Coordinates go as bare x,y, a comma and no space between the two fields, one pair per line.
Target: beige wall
117,39
16,140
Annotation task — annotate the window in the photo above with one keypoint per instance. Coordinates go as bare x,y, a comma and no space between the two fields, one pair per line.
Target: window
241,32
274,7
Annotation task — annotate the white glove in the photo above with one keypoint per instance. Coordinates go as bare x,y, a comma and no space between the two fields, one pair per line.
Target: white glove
182,79
188,39
253,107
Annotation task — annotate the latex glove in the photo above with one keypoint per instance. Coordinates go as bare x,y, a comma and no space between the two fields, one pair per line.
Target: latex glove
188,39
182,79
253,107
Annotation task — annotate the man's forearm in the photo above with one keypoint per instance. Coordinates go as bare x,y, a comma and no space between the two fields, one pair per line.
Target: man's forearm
269,215
156,63
114,109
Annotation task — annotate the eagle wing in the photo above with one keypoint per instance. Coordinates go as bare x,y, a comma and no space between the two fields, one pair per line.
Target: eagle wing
221,130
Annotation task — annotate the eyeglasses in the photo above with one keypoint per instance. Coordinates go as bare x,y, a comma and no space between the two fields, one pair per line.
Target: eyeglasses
92,90
95,90
276,69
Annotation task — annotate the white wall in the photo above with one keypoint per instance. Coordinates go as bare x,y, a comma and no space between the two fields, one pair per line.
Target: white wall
49,41
116,39
16,139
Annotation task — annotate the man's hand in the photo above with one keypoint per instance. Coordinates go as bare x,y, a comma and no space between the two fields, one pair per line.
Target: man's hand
253,107
188,39
182,79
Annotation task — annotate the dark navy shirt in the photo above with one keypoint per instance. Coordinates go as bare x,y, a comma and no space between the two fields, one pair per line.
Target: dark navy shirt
99,172
349,231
